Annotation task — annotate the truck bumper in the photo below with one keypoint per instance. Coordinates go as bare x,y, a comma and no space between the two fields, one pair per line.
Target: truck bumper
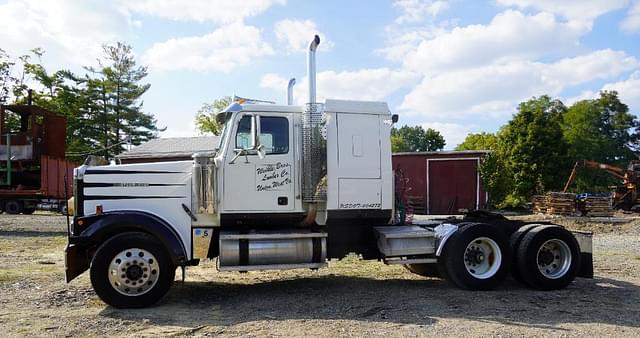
76,261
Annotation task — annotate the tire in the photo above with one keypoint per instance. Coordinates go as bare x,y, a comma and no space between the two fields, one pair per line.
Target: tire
13,207
120,252
28,211
480,244
548,257
424,269
514,242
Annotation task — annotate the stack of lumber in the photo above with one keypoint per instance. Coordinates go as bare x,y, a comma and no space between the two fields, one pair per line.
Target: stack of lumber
539,203
598,206
559,203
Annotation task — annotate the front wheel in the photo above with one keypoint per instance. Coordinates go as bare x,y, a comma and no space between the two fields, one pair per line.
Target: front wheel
476,257
132,270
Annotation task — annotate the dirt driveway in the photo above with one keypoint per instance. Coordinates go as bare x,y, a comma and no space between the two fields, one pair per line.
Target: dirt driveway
350,298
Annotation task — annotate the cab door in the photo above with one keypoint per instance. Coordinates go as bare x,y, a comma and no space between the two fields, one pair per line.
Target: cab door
254,184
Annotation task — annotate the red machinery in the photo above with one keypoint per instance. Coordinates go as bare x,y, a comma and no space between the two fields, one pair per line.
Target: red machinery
32,161
625,195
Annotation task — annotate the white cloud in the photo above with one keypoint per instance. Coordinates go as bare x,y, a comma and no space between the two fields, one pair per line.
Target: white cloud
417,10
599,65
273,81
631,23
494,90
453,133
296,34
511,35
365,84
585,95
628,90
221,50
570,9
219,11
71,32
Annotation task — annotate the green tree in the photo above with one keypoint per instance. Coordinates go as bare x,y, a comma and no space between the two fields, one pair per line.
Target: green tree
529,155
205,118
410,139
602,130
116,84
479,141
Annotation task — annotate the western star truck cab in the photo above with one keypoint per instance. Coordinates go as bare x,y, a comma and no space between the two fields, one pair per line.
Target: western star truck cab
291,187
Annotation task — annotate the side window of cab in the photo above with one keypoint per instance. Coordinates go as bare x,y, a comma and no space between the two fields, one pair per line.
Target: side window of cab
274,134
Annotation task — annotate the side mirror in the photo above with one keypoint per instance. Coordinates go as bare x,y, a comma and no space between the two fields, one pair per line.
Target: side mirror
394,118
254,142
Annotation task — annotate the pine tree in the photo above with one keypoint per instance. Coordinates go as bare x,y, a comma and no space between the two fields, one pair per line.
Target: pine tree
116,85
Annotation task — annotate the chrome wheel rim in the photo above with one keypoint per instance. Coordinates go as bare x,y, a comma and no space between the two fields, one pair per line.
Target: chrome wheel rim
554,259
133,272
482,258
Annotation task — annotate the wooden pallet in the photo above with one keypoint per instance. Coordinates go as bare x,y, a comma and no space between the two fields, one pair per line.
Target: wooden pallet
539,203
559,203
598,206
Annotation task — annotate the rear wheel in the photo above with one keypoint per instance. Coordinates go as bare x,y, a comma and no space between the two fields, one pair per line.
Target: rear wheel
13,207
476,257
548,257
132,270
514,242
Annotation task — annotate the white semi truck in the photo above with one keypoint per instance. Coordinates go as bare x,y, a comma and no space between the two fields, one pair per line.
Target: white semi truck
291,187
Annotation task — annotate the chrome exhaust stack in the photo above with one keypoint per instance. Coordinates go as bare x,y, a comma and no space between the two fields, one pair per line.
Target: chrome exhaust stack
292,82
314,145
311,68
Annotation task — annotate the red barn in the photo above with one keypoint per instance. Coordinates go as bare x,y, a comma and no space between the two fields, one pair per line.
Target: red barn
442,182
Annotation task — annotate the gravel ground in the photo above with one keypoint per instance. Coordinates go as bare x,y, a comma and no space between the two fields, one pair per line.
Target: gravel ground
350,298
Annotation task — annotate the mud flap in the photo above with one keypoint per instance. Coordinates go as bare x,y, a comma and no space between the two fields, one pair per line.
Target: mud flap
585,242
75,262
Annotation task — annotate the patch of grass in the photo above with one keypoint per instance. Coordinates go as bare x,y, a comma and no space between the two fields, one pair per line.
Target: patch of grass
28,271
7,276
610,253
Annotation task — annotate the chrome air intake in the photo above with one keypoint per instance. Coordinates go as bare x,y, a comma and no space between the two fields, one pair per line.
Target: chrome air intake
314,144
203,190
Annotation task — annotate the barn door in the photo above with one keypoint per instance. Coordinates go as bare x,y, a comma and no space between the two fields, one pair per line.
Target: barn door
452,185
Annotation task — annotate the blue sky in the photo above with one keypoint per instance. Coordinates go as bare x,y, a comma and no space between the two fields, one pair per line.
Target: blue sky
456,66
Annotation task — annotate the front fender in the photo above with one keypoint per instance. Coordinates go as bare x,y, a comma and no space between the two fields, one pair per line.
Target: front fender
94,230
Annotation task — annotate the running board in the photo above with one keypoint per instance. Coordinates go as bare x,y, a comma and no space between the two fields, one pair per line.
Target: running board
403,260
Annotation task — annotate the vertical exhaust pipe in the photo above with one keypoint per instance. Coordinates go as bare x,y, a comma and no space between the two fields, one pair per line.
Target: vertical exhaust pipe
311,68
292,82
314,152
